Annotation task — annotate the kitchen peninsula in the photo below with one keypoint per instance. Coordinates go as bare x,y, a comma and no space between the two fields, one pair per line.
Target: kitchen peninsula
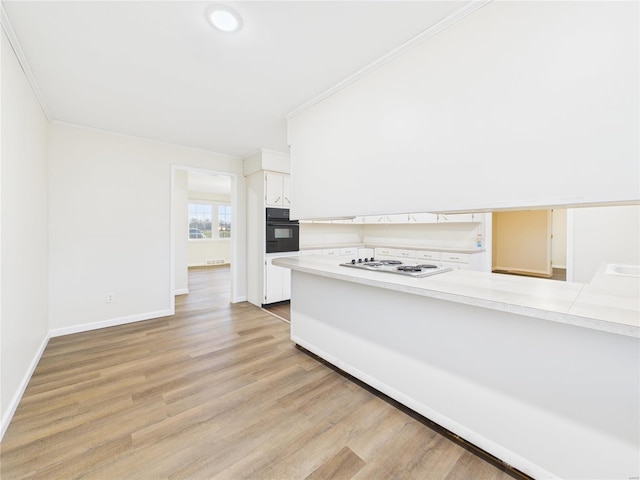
544,375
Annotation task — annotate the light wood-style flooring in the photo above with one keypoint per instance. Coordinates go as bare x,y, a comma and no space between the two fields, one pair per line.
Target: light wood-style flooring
215,391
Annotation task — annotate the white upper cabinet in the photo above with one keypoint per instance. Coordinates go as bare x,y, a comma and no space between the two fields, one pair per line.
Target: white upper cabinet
456,217
424,218
277,190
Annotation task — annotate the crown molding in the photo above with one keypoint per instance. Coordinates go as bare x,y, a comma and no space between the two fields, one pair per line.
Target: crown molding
22,60
408,45
103,131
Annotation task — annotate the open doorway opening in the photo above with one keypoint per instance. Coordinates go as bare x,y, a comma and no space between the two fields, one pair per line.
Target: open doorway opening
203,228
530,242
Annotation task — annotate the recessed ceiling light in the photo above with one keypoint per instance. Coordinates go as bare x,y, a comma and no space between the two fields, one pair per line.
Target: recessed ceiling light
223,18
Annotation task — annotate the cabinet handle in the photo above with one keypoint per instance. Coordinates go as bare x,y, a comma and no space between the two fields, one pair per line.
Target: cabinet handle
277,200
287,200
454,258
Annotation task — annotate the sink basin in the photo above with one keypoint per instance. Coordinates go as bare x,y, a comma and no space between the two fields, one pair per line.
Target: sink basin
624,270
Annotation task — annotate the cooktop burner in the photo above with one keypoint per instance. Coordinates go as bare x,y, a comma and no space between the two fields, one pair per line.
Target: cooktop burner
409,268
391,262
395,266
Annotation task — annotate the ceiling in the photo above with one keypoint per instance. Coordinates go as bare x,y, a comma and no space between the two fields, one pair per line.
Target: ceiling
208,183
158,70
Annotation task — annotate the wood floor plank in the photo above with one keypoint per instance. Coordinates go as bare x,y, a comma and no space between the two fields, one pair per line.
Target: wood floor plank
342,465
215,391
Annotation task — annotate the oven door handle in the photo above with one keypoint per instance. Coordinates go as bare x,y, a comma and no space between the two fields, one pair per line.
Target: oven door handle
287,224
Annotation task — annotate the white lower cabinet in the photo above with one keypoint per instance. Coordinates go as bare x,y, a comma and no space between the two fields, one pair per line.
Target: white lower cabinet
385,253
408,255
277,281
457,261
349,251
426,256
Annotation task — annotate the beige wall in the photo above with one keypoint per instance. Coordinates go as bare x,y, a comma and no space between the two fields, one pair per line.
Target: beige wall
521,241
559,240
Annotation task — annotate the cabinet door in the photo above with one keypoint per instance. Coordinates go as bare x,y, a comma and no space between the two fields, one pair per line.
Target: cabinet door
385,253
397,218
374,219
455,217
430,256
406,254
349,251
275,282
273,189
286,191
423,218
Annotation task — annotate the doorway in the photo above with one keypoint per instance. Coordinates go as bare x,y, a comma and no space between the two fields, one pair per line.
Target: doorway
530,243
204,216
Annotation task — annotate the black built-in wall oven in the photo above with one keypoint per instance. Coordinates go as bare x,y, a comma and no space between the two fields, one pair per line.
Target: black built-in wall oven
282,233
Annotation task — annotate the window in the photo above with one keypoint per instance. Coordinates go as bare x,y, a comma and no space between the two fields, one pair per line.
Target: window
204,216
224,221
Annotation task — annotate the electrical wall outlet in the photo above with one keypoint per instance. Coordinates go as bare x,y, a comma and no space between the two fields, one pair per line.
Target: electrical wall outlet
109,298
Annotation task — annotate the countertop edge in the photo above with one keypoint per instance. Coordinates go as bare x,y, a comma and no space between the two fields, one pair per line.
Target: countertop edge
549,315
395,247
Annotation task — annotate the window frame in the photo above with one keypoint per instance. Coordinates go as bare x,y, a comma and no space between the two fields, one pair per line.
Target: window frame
215,219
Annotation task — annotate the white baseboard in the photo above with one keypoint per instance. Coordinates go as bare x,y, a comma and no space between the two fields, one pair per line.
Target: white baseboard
15,401
181,291
202,264
85,327
239,299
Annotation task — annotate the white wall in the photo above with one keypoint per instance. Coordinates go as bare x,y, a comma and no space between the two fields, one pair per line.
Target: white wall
520,104
110,226
202,250
444,235
604,235
24,233
318,235
180,226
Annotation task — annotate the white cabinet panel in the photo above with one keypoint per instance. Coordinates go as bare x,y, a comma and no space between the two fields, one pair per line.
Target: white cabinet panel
456,266
455,257
277,283
351,251
277,190
431,256
423,218
455,217
277,280
385,253
406,254
286,191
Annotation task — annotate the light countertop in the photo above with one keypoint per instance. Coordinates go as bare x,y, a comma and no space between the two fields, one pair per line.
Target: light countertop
608,303
395,247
